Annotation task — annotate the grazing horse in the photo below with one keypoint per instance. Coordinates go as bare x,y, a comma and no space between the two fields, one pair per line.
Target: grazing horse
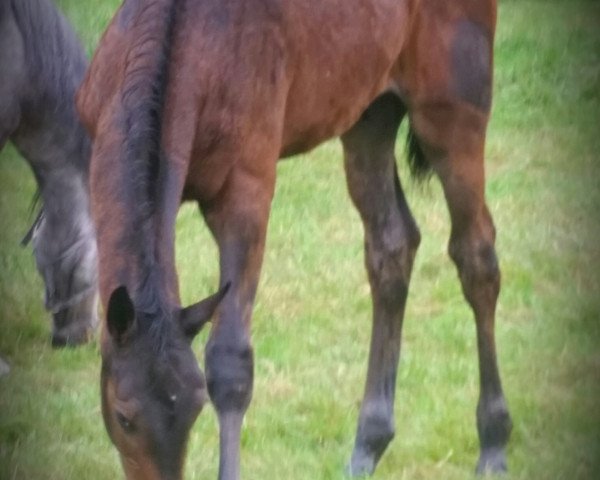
41,66
197,100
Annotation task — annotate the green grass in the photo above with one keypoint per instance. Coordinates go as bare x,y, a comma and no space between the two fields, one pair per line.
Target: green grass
312,318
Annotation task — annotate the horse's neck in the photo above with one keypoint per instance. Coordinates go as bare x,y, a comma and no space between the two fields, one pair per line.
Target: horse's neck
49,134
152,282
135,251
51,137
57,150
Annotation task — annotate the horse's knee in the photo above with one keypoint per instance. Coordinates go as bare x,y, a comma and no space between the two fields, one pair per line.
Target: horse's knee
229,374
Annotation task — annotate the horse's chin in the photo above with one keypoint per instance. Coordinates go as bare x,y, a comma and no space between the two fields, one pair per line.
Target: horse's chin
142,470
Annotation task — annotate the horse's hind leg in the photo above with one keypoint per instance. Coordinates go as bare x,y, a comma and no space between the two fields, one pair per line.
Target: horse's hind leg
453,135
391,241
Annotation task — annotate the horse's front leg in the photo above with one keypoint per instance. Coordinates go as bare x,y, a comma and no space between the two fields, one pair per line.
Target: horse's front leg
238,220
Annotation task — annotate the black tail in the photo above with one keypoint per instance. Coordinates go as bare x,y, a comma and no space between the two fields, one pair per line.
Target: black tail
417,162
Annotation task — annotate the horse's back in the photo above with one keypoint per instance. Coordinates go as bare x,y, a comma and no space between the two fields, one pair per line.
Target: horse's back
342,54
303,71
272,77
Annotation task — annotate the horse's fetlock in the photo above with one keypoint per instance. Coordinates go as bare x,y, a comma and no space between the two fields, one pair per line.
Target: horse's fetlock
493,423
376,427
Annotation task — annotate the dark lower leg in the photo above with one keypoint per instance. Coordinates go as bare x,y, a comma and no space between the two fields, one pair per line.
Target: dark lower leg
472,248
230,425
239,226
493,419
391,240
230,367
376,421
389,270
452,135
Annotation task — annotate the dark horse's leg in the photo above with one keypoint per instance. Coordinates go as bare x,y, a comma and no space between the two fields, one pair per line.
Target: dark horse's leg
453,134
391,241
238,220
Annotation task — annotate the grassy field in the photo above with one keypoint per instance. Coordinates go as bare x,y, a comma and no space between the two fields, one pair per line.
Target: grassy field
312,318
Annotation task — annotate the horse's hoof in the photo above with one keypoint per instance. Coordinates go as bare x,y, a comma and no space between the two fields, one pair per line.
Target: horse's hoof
492,460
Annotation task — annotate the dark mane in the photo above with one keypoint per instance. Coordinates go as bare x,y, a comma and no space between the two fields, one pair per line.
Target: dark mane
144,87
55,60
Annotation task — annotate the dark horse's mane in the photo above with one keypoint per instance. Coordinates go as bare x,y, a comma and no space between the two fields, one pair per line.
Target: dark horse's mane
143,93
417,163
55,62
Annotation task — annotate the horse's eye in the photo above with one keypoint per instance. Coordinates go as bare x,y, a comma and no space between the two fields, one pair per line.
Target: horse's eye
125,423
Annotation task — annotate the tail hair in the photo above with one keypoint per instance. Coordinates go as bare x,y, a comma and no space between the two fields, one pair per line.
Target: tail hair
418,165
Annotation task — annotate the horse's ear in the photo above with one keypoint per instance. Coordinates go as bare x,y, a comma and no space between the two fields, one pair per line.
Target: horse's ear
193,318
120,315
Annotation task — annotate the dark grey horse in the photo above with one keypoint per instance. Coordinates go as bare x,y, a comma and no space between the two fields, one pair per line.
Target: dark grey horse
41,65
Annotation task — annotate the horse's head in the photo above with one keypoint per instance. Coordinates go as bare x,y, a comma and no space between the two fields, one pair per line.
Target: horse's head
66,257
152,387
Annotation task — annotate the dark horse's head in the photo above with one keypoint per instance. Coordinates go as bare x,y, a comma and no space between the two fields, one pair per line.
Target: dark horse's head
152,387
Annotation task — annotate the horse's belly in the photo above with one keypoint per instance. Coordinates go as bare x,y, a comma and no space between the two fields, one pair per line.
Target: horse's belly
315,117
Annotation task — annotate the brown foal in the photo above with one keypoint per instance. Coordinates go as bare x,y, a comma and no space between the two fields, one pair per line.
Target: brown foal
197,100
